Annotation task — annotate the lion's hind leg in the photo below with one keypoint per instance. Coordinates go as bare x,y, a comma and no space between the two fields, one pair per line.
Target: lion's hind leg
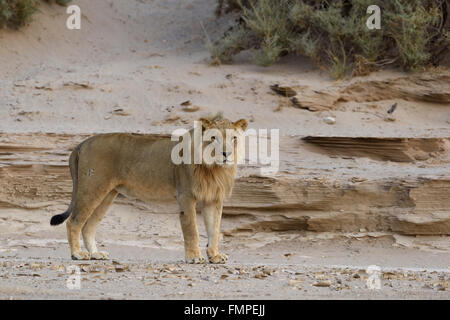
91,225
83,209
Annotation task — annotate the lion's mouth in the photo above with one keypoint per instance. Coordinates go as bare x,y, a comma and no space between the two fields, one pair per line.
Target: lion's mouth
227,163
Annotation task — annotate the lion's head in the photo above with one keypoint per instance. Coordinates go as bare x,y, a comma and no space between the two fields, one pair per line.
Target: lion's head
222,141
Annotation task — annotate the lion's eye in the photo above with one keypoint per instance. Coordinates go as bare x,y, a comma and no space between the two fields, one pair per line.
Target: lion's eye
213,138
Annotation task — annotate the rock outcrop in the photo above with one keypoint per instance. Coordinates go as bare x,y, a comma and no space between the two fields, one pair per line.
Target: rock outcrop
376,185
423,87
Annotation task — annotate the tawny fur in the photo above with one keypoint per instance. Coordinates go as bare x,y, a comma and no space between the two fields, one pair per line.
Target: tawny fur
140,166
213,184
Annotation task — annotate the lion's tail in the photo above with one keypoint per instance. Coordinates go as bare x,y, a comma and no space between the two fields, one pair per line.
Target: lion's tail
60,218
73,164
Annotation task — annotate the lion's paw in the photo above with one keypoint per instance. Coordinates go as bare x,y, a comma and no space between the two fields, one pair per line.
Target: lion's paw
81,255
196,260
218,258
100,255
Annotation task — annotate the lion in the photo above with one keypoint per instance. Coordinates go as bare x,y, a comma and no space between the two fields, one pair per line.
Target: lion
141,166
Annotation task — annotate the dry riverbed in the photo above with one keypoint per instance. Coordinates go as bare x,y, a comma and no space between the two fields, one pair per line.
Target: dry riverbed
357,186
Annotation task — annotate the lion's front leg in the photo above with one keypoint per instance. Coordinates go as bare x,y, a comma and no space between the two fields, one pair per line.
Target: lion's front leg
188,221
212,214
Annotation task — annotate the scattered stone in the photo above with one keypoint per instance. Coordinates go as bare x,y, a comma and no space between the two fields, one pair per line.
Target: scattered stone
36,266
57,267
77,85
155,54
427,286
329,120
120,112
391,276
283,91
440,286
267,271
191,108
47,88
296,284
299,105
322,284
172,118
122,268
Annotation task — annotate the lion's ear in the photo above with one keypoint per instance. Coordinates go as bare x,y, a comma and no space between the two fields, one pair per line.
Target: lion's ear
241,124
205,123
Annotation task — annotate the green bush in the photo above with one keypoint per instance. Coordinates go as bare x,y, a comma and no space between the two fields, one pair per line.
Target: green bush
16,13
334,34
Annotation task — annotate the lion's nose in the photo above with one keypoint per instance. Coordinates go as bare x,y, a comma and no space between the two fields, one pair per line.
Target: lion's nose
226,154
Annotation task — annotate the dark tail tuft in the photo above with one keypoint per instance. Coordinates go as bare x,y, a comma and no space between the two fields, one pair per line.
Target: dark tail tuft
73,165
59,218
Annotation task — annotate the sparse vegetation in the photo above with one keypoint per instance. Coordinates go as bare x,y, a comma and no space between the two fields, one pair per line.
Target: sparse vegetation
16,13
334,34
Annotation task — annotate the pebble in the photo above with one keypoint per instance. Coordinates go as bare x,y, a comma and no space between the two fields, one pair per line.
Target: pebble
329,120
322,284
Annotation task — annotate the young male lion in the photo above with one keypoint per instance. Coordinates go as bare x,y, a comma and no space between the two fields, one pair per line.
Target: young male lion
142,166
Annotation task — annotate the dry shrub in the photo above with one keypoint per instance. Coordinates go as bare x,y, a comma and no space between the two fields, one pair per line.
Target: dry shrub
16,13
413,34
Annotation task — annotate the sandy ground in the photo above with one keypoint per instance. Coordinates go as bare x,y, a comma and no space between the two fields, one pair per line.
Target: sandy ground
128,69
147,263
147,57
